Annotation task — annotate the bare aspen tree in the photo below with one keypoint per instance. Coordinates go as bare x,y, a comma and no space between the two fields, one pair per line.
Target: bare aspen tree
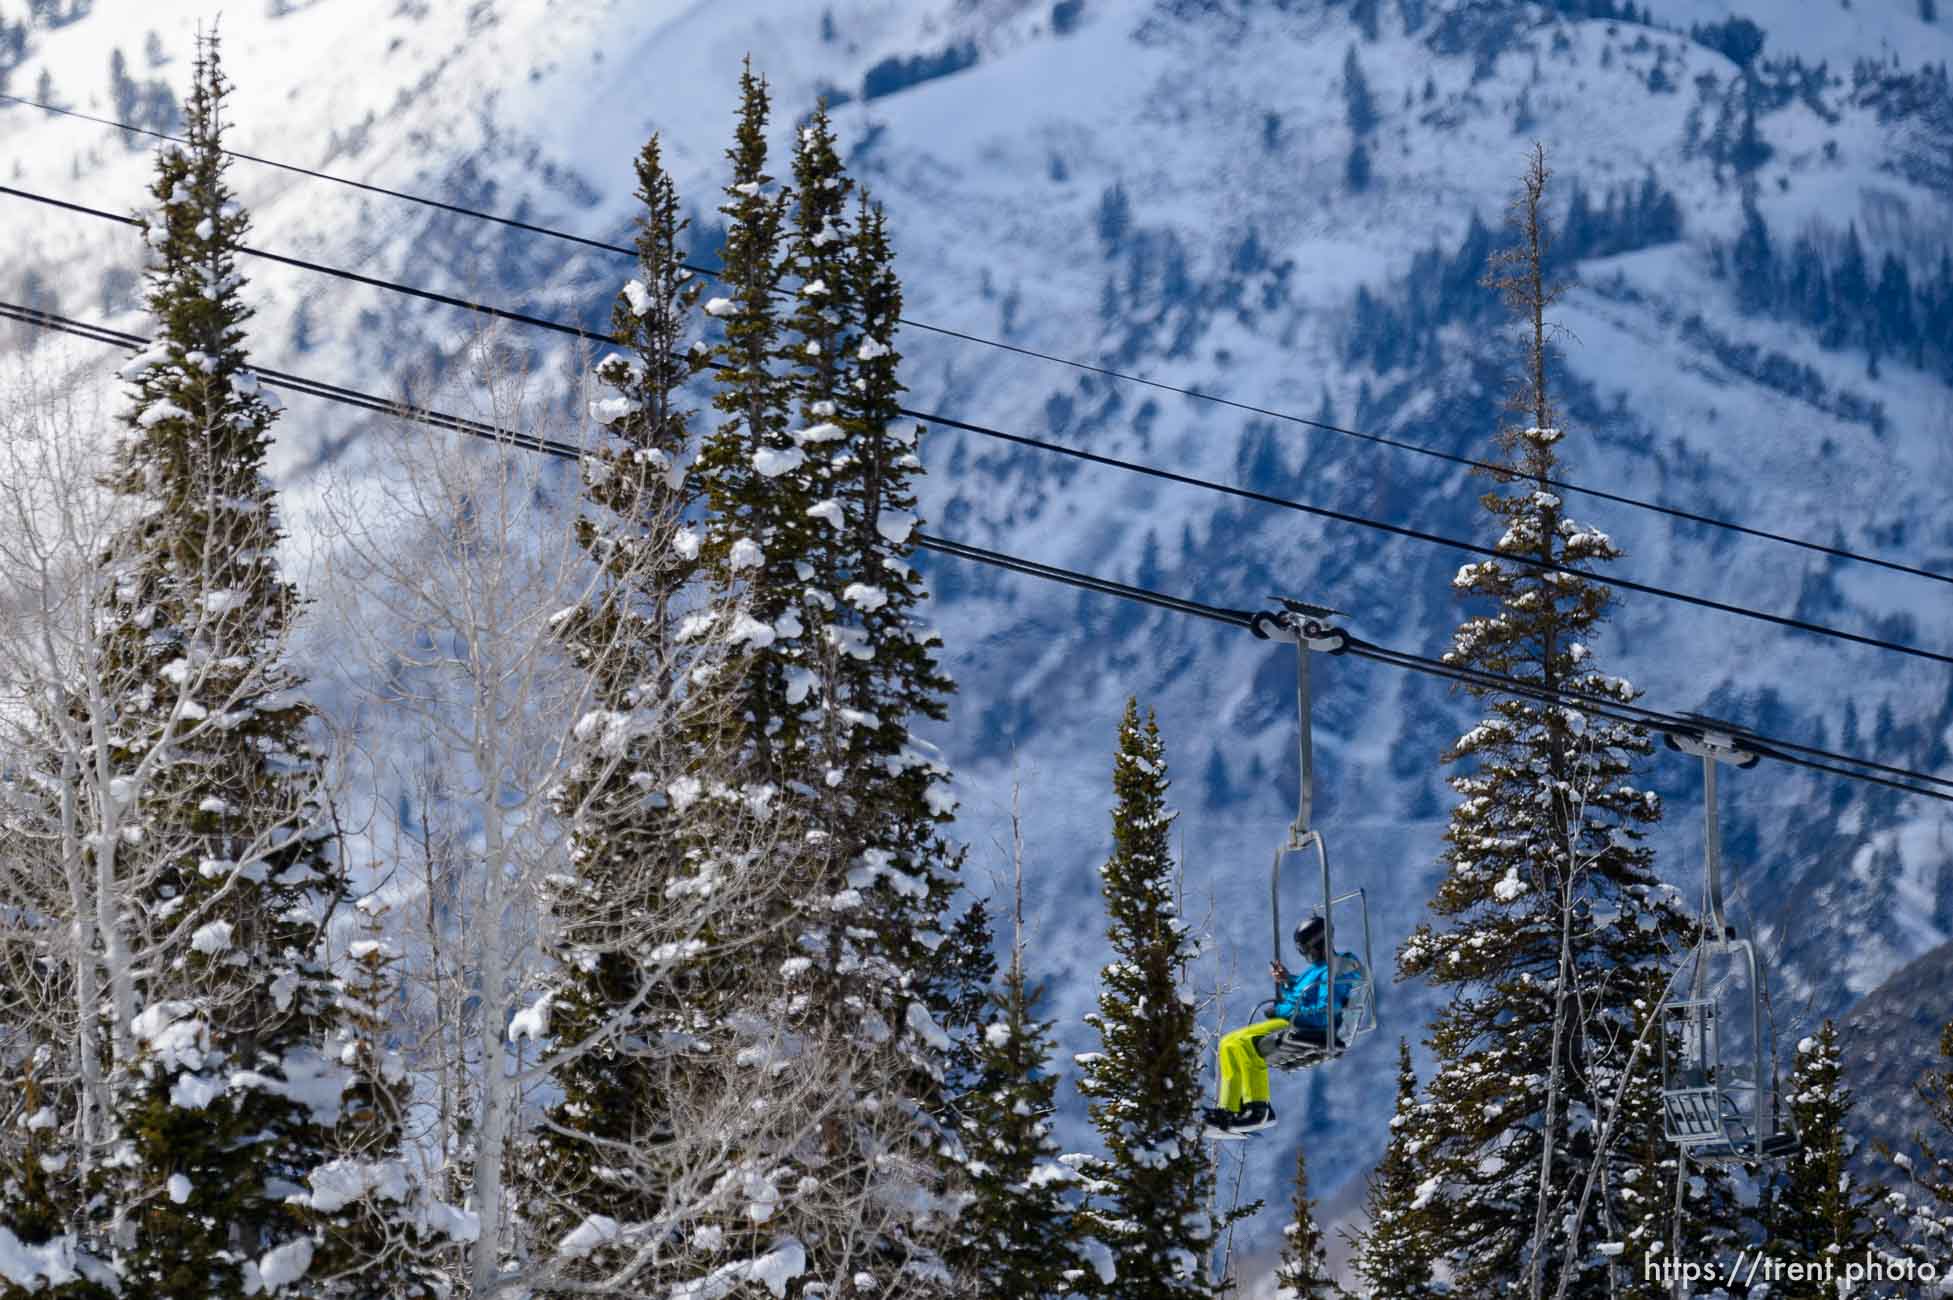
55,521
452,575
92,885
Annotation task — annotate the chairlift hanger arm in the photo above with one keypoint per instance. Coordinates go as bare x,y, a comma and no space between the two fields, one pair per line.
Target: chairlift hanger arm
1303,626
1714,743
1708,738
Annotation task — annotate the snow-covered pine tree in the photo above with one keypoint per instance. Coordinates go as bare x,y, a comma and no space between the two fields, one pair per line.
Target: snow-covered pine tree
756,496
867,676
1153,1188
610,987
1919,1211
1394,1252
1303,1273
816,346
1018,1232
216,1110
890,657
366,1205
1817,1210
791,1203
890,673
1550,910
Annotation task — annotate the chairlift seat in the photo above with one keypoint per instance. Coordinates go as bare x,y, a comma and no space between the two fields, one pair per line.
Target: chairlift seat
1299,1047
1720,1097
1308,628
1736,1143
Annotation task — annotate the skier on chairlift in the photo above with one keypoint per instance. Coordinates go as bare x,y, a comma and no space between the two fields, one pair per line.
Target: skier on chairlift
1301,1008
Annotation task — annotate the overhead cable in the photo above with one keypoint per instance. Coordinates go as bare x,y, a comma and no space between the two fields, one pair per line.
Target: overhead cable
1133,467
1289,417
1593,705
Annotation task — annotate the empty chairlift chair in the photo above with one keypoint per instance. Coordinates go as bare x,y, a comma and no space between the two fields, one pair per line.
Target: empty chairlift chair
1720,1098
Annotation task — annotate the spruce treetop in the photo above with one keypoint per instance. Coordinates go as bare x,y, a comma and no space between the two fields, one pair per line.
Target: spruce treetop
1017,1234
1145,1084
634,484
908,682
825,316
1303,1273
1139,878
1394,1254
1550,789
742,497
199,423
757,527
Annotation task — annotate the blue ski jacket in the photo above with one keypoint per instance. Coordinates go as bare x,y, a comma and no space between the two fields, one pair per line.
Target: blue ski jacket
1302,999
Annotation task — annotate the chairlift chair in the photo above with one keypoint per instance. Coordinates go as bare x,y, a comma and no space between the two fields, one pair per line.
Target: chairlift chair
1720,1098
1302,1046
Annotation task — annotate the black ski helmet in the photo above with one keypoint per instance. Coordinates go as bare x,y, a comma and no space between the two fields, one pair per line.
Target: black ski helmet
1308,938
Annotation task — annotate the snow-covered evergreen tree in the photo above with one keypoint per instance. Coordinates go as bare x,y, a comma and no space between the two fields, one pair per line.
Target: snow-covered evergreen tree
1303,1273
1395,1250
890,873
755,485
1018,1231
751,472
1153,1187
813,573
1819,1212
1550,911
227,1105
612,988
1919,1210
367,1207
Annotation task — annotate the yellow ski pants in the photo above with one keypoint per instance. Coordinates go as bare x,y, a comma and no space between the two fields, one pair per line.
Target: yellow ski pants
1244,1075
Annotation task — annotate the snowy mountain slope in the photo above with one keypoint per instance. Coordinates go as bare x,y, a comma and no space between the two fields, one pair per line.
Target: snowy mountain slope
1892,1037
1164,188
